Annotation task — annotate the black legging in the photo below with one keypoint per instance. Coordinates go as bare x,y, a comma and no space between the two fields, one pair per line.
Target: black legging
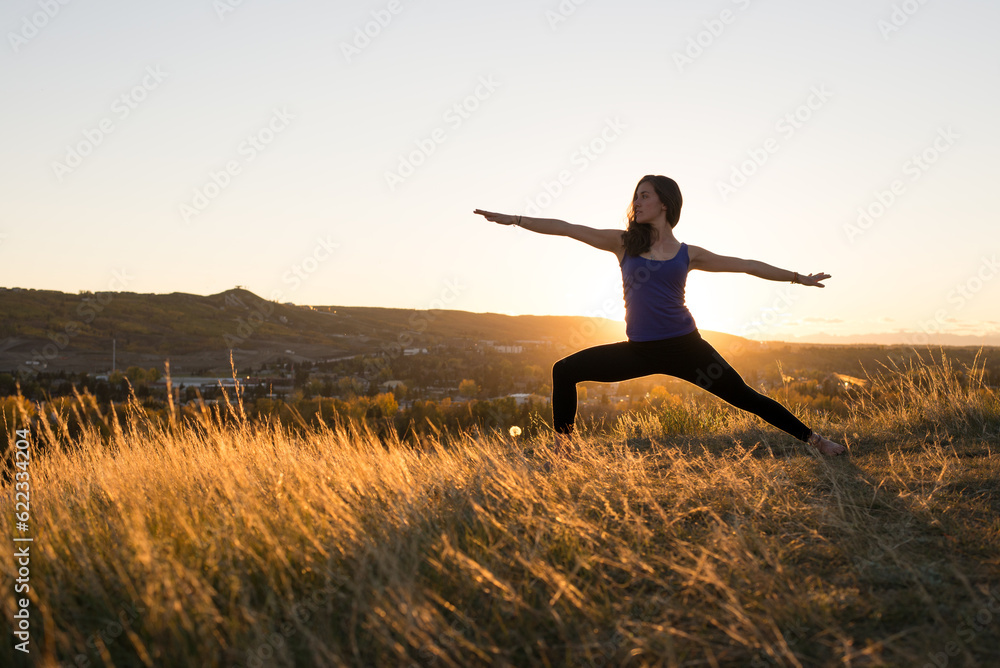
689,357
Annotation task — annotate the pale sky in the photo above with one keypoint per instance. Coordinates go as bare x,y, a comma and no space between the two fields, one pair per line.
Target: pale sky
331,153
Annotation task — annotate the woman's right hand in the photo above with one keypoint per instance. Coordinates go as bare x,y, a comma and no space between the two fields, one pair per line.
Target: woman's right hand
502,218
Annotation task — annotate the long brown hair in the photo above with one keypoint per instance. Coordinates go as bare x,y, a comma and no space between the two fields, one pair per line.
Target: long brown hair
639,237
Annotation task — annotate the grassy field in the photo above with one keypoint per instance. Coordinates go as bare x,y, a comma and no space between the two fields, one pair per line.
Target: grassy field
677,539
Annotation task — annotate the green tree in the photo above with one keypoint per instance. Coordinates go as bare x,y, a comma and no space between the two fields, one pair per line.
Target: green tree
349,386
383,405
135,375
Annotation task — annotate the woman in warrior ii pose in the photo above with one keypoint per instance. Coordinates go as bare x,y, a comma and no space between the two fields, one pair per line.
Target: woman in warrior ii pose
662,335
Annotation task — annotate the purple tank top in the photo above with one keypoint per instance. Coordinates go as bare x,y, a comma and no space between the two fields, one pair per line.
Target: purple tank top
654,297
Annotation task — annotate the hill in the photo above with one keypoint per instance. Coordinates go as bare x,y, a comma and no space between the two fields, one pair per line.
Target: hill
59,331
53,331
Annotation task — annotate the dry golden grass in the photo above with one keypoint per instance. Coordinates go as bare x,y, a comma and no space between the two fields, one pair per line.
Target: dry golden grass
223,543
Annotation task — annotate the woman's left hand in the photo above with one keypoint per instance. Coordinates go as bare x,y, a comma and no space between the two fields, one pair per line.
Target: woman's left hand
813,279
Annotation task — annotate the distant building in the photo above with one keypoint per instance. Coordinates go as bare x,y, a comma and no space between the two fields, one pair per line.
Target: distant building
439,392
520,398
847,381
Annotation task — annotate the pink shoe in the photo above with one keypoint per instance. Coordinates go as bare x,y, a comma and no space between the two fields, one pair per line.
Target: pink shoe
825,445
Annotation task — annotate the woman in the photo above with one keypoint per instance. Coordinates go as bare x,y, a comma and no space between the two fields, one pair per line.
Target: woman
662,335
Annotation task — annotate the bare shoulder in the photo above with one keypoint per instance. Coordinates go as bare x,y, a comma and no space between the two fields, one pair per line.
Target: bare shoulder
696,254
615,243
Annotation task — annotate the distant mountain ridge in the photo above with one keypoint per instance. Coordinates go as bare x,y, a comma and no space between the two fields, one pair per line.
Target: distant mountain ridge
55,330
50,330
917,339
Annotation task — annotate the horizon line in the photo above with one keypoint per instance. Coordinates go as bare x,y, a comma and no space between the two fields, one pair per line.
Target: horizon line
816,338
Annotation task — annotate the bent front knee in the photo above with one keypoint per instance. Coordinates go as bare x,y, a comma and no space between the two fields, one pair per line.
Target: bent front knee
562,371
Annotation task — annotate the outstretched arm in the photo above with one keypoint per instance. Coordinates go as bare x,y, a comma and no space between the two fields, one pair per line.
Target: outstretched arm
609,240
707,261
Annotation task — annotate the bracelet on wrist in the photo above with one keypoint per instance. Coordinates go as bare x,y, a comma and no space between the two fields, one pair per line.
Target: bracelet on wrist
795,277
